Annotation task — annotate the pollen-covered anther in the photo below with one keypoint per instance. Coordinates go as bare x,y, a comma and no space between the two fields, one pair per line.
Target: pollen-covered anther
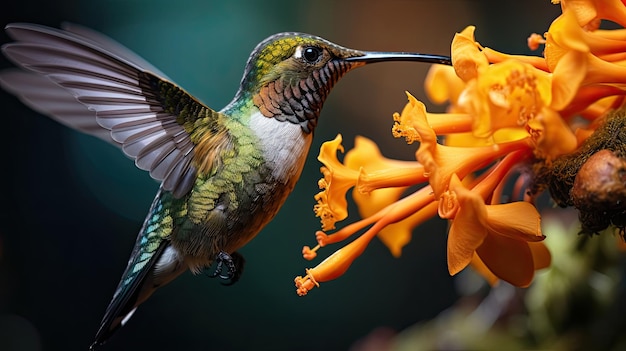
321,238
401,129
535,40
309,253
306,283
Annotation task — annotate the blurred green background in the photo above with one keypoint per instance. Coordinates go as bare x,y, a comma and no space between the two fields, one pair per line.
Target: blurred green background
72,205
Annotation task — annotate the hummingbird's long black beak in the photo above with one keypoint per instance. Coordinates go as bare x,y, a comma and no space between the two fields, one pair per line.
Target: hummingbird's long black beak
372,57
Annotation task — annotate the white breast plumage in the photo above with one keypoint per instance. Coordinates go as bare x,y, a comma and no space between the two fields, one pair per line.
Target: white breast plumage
285,145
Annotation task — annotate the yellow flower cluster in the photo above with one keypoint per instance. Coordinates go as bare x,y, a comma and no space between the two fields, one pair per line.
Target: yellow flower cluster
504,110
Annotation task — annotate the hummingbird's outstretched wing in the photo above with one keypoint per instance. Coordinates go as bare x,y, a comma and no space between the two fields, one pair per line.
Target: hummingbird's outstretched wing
124,99
90,83
48,98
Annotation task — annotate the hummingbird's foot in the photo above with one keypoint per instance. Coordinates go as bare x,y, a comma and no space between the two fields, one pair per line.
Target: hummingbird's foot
229,267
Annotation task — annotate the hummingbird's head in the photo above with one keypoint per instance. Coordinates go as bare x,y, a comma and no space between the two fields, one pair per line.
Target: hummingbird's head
291,57
289,75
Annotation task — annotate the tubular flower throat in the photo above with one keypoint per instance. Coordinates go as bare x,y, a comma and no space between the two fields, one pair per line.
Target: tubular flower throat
509,118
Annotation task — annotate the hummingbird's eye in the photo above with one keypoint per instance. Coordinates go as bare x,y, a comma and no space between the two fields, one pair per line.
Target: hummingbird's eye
311,54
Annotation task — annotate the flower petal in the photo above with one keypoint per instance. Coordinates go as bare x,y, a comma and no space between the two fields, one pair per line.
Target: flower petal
554,136
541,255
517,220
587,12
442,84
563,36
377,171
467,59
567,77
467,231
332,205
479,266
506,95
509,259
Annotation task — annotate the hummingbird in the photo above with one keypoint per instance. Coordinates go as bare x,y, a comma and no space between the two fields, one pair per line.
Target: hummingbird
223,174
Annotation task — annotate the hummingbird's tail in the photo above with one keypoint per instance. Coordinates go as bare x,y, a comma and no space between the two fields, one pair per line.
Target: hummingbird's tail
142,277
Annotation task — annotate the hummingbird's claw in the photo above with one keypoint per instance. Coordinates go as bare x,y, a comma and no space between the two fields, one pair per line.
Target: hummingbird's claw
229,267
